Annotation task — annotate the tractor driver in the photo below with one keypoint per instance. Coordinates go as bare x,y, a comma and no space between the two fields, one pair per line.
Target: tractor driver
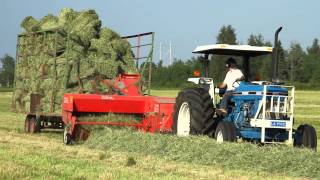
233,75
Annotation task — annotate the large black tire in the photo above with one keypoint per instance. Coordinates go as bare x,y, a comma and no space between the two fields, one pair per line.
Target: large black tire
306,136
33,125
210,124
67,138
27,125
225,132
189,103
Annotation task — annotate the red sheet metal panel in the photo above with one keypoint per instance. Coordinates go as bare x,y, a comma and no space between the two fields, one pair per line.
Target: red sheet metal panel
156,111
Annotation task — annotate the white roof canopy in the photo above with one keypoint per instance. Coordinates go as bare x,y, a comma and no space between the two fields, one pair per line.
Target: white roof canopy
234,50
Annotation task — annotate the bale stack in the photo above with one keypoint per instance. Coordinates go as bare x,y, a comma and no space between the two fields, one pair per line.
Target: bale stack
68,53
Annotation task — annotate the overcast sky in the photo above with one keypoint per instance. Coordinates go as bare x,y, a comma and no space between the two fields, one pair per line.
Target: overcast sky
185,23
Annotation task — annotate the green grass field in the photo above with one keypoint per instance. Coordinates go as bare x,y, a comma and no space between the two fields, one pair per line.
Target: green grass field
127,154
5,89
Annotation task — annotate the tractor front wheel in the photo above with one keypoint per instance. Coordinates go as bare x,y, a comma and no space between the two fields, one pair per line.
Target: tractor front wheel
226,131
306,136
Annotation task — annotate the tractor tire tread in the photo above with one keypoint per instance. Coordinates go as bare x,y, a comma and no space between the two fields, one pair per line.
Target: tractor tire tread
307,137
232,136
221,127
228,131
193,97
208,112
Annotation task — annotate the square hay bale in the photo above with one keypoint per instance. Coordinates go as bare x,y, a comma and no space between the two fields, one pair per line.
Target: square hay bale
64,54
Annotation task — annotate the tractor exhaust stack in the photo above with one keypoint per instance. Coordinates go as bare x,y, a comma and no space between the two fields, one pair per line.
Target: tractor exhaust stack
275,57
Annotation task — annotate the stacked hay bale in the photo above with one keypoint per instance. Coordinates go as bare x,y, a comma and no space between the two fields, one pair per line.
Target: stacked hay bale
68,53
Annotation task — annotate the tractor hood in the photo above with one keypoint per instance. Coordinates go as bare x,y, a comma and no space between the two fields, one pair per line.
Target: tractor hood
234,50
247,88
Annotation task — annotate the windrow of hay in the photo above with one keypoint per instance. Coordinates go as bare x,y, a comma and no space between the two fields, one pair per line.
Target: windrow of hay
274,159
82,132
68,53
118,118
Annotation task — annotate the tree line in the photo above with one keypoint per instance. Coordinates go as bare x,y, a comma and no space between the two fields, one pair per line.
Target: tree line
7,71
297,66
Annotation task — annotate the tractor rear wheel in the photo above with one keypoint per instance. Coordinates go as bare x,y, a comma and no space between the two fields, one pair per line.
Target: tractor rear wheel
226,131
306,136
210,124
188,113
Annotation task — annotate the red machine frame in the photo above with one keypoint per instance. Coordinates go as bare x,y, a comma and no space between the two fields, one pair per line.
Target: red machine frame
156,112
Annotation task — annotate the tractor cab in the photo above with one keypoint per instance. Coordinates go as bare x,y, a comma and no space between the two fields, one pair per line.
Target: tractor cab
246,52
260,111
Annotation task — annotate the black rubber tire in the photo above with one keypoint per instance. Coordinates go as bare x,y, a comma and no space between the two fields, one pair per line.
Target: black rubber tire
27,125
194,100
306,136
33,125
67,138
232,132
228,131
210,124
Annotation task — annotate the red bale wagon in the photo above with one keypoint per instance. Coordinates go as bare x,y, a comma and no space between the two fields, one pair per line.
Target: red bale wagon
155,113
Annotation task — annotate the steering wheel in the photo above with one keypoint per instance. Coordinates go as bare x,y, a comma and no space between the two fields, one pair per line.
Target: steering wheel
236,83
222,91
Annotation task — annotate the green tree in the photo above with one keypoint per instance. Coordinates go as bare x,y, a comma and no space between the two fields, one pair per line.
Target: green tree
258,65
262,65
256,40
175,75
315,47
227,35
217,70
296,58
283,64
265,68
7,71
312,63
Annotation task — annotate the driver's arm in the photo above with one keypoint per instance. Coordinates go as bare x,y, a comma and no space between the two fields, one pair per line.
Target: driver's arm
222,85
226,79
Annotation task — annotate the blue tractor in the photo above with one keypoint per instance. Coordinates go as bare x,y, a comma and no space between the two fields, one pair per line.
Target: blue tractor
259,111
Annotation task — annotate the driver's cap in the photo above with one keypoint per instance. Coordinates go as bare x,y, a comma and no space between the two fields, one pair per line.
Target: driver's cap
230,61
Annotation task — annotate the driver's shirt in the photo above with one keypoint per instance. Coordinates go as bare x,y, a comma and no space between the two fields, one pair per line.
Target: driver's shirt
232,75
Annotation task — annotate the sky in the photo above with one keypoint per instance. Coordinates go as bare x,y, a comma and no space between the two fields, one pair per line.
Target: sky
186,24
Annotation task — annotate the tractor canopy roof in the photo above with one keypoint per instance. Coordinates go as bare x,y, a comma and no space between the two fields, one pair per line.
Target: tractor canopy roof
233,50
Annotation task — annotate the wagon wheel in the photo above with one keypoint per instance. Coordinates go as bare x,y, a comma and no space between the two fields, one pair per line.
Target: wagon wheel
80,133
67,139
27,125
33,126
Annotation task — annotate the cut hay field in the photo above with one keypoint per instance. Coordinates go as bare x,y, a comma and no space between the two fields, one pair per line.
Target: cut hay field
127,154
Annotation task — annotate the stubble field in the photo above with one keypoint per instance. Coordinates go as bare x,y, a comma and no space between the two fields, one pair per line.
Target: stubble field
127,154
